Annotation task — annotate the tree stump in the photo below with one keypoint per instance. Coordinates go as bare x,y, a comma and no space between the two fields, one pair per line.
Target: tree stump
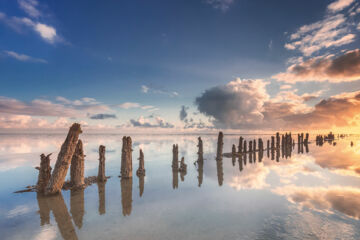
126,158
62,163
44,173
77,166
101,170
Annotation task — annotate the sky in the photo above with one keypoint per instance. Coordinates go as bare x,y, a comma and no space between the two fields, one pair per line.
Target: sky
180,66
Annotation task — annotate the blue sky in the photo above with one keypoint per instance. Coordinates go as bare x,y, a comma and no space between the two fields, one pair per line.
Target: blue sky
129,55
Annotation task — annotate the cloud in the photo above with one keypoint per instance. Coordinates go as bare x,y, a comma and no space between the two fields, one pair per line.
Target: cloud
183,113
147,89
41,107
245,104
101,116
343,68
222,5
343,199
30,7
155,122
332,31
235,105
339,5
23,57
129,105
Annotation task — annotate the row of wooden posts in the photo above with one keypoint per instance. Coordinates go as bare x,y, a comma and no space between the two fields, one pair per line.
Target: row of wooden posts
72,154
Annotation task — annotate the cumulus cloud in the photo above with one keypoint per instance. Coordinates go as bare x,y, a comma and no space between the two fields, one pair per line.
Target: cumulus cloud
332,31
245,104
155,122
339,198
222,5
23,57
101,116
343,68
235,105
339,5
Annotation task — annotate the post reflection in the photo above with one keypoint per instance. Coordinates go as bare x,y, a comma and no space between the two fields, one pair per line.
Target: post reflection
126,195
102,200
77,208
44,210
141,184
220,172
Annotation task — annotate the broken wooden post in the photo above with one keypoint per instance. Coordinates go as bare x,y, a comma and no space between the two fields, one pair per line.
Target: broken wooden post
245,147
64,157
77,166
240,145
272,142
306,138
175,161
141,169
44,173
220,145
277,140
126,158
101,171
200,150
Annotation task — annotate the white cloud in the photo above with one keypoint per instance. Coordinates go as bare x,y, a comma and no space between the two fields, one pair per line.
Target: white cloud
23,57
30,7
147,89
144,89
155,122
339,5
222,5
332,31
46,32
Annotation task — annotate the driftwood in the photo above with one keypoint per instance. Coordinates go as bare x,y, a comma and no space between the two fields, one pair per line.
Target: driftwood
62,164
44,173
126,158
101,171
141,169
77,166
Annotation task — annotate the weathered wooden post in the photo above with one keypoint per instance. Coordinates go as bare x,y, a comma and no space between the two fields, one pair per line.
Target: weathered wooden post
306,138
250,146
277,140
254,145
233,154
240,145
141,169
44,173
245,147
272,142
220,145
101,170
64,157
77,166
175,161
200,150
126,158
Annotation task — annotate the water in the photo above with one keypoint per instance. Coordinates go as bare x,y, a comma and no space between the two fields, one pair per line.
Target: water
313,195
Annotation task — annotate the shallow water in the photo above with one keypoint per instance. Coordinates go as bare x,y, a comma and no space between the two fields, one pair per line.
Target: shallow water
314,195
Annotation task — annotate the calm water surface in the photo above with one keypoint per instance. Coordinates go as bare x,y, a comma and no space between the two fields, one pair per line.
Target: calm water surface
313,195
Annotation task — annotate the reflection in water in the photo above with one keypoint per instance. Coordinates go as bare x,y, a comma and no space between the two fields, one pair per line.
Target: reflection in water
126,195
175,179
62,217
141,184
102,201
44,209
240,163
77,208
220,173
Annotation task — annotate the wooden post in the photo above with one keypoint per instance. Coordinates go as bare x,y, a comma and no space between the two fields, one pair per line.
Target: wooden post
77,166
101,170
220,145
272,142
254,145
44,173
141,169
277,140
245,147
175,161
126,158
62,163
240,145
250,146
